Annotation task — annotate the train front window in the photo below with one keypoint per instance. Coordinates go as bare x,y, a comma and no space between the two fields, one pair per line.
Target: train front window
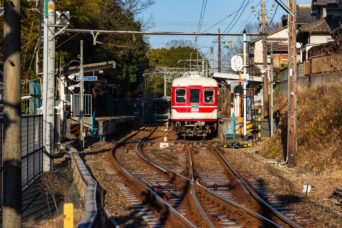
209,96
161,107
194,95
180,95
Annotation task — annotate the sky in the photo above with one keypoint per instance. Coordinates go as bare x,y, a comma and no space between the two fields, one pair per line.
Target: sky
184,15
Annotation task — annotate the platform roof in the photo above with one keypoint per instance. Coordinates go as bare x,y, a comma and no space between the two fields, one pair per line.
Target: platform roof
235,76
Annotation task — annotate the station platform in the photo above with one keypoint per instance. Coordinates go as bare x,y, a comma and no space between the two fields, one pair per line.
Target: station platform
107,125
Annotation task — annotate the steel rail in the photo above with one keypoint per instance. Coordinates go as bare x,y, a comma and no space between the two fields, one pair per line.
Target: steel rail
234,208
236,211
281,219
191,195
154,200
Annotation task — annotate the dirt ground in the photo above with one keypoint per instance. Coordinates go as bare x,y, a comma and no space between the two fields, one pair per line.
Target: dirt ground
287,185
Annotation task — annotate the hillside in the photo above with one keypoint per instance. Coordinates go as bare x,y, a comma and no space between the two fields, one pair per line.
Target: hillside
319,129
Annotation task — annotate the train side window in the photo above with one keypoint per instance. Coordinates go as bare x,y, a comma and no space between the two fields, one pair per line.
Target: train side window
209,96
194,95
180,95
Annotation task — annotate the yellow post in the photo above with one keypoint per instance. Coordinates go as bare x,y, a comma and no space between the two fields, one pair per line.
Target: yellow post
240,105
68,215
259,125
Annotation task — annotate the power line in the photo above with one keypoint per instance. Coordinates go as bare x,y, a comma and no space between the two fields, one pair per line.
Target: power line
200,22
229,15
231,22
275,12
234,24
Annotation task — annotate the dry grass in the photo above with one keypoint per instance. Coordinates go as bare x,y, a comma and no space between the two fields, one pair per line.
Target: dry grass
57,222
319,129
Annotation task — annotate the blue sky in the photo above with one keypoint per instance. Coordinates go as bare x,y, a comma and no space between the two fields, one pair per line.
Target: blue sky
183,16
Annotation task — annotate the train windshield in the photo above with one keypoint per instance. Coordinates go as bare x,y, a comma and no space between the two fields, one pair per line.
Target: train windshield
161,107
209,96
180,95
194,95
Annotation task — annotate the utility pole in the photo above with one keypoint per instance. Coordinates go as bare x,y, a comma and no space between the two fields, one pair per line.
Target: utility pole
49,66
219,51
244,85
164,82
211,60
11,209
264,53
81,94
271,101
292,94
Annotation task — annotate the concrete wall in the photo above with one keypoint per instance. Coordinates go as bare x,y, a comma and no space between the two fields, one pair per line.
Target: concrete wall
309,81
302,80
319,39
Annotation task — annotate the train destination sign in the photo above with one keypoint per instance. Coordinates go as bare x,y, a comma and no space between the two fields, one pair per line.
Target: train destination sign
87,78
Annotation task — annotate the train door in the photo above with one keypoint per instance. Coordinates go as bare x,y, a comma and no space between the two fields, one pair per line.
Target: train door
195,98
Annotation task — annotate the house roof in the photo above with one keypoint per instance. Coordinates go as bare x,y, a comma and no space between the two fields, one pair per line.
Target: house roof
325,25
269,34
303,14
324,2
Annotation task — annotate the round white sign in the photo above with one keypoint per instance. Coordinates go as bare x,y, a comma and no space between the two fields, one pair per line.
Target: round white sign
237,63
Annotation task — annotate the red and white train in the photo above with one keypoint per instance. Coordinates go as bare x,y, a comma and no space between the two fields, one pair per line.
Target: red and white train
194,105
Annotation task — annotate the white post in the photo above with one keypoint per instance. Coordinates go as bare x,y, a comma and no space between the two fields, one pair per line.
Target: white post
49,82
244,84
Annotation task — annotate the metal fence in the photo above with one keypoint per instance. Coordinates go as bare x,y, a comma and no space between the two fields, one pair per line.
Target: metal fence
31,148
75,105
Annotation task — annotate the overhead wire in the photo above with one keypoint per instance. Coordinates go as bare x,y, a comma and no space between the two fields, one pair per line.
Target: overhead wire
234,24
200,22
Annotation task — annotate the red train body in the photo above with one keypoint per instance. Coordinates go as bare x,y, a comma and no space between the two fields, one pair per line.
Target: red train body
194,105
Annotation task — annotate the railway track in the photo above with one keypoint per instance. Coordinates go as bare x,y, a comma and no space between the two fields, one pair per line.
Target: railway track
163,197
139,181
232,186
215,209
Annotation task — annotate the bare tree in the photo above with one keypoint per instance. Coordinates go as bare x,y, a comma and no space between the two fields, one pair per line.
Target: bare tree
179,43
135,6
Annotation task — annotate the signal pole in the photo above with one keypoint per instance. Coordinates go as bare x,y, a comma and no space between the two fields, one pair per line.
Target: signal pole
81,94
219,51
264,53
292,94
244,85
11,209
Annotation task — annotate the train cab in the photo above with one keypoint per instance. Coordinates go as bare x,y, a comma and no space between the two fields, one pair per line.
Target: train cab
194,105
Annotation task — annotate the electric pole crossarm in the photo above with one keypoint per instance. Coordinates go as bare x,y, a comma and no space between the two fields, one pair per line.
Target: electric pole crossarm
92,31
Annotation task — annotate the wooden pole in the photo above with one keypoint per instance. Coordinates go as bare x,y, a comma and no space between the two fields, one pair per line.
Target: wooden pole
292,90
264,53
219,52
12,117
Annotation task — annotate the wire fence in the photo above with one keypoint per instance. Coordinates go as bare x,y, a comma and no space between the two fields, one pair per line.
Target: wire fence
31,149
